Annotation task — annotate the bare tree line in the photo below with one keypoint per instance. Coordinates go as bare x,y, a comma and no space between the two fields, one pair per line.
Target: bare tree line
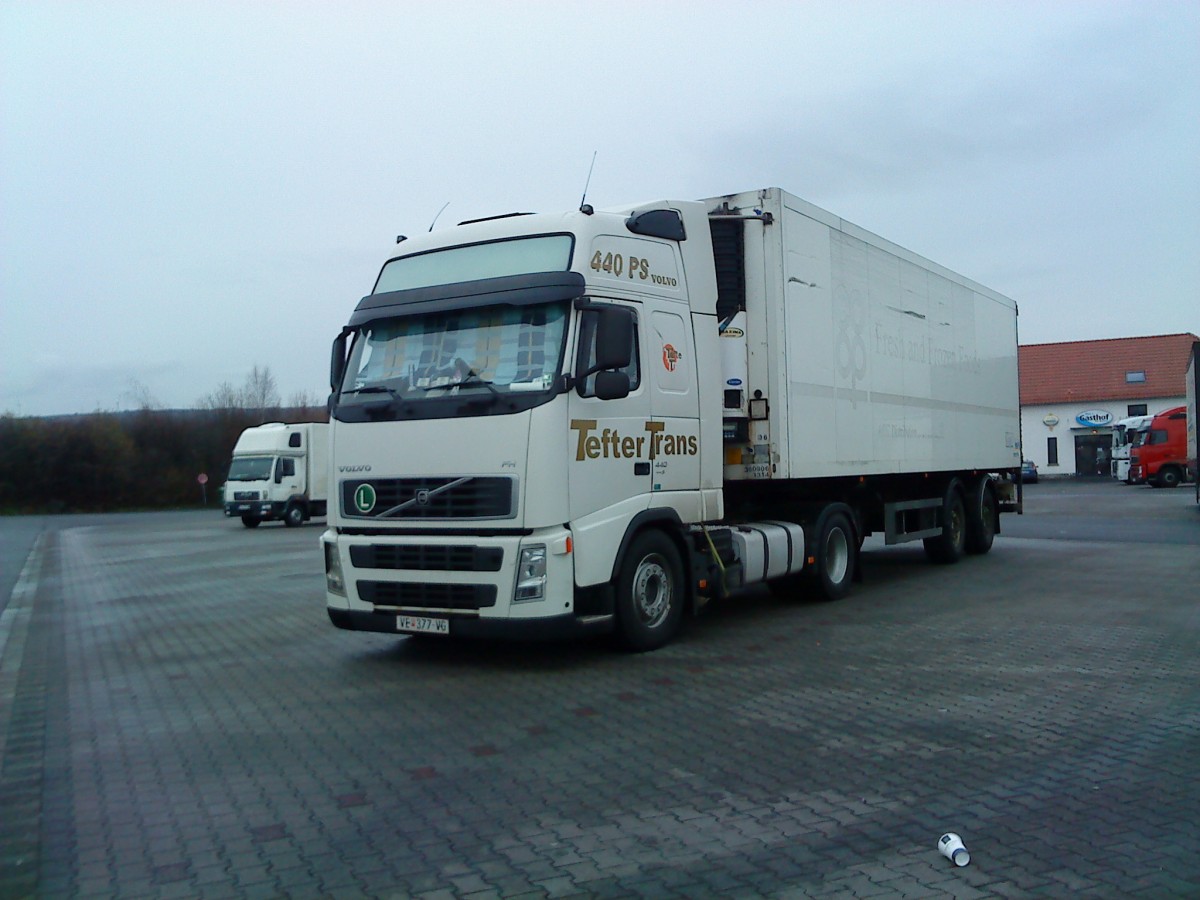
147,458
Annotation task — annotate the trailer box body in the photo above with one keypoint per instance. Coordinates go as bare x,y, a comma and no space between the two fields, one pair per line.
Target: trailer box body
876,360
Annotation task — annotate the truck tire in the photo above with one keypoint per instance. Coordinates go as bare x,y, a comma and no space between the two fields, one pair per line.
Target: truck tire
293,515
1168,477
650,592
251,521
981,517
834,555
948,547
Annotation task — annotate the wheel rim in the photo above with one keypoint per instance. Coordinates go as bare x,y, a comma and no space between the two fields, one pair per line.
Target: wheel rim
958,520
837,555
652,591
988,514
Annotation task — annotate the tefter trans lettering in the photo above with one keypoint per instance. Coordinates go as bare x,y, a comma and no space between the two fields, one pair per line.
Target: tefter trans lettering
611,444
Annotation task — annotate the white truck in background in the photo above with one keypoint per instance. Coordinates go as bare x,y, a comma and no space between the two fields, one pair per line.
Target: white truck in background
1127,434
546,425
279,472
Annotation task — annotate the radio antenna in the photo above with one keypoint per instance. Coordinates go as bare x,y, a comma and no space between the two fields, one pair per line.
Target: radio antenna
583,207
439,212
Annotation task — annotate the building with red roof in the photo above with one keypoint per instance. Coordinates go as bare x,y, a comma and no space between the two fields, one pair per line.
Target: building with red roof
1074,395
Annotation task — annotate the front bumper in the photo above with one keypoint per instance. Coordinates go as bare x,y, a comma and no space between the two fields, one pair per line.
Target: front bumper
258,509
467,581
552,628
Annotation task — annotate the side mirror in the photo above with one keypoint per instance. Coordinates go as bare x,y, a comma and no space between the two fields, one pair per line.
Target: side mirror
612,385
279,472
337,362
614,338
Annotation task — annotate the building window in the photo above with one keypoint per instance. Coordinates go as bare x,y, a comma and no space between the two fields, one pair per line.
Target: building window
1135,377
1135,409
1052,451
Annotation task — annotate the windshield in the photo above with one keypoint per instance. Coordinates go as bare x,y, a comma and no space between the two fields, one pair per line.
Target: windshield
495,259
495,351
251,468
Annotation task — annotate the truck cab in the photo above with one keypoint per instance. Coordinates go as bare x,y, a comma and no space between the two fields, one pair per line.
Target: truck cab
1161,459
540,374
1127,434
278,472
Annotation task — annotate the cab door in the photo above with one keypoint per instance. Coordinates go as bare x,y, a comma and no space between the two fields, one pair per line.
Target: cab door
289,477
608,451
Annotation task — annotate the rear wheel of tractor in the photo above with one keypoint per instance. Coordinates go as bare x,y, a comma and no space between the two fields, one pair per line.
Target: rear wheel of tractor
251,521
294,516
650,592
948,547
981,517
833,556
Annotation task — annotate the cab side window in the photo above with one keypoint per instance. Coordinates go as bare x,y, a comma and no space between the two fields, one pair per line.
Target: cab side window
587,356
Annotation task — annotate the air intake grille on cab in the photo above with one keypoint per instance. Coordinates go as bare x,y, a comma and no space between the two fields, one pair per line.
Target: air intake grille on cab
428,558
424,595
465,497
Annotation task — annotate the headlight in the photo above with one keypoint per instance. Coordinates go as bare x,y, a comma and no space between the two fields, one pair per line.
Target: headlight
334,582
531,574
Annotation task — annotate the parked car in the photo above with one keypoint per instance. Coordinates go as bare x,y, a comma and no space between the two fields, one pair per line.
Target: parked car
1029,471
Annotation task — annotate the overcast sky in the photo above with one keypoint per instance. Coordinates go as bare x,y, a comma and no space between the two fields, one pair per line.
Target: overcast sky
188,189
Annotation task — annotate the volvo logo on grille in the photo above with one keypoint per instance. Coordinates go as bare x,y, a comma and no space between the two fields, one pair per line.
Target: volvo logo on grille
422,498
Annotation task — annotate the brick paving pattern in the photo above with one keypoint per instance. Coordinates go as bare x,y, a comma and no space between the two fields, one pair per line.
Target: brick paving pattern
180,720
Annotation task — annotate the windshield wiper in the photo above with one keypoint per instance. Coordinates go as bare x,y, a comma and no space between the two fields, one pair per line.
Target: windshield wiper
467,377
474,377
393,396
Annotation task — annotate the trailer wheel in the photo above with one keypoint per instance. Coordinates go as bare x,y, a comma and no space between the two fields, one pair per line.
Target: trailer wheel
948,547
251,521
650,592
833,555
294,516
981,517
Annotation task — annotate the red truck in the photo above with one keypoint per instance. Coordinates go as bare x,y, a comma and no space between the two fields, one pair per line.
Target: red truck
1162,458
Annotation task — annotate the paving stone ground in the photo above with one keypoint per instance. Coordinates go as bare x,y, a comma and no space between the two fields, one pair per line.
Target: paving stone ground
179,719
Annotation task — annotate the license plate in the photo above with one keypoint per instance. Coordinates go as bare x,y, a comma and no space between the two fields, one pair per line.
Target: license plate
422,625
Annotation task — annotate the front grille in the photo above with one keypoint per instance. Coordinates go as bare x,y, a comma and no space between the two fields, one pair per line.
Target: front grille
245,495
466,497
462,558
427,596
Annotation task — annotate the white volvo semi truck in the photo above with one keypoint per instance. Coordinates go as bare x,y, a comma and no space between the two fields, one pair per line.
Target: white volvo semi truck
546,425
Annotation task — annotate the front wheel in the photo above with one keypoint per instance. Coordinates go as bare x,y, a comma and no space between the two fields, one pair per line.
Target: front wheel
833,556
293,516
1168,477
650,592
251,521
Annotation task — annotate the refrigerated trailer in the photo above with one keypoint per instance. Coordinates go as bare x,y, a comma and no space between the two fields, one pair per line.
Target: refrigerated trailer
546,425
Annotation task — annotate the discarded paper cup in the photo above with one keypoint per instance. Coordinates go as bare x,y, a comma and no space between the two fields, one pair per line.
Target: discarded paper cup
951,847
